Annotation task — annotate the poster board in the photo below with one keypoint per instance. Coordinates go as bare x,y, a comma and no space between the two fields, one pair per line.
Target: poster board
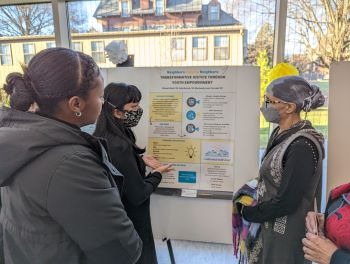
338,125
235,101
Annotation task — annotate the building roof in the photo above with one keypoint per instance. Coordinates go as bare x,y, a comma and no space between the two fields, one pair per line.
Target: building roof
108,8
183,5
225,19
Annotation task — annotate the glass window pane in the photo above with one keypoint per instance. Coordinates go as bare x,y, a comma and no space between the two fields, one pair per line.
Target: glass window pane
97,50
159,7
5,54
28,51
214,12
202,42
178,55
38,17
19,25
178,43
28,48
97,46
258,18
199,54
50,45
77,46
125,9
221,53
27,58
199,42
178,51
221,41
195,42
149,36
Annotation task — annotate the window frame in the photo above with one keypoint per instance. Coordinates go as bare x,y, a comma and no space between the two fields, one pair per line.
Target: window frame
50,43
219,48
77,42
217,13
175,49
94,52
2,55
25,55
122,10
196,49
159,11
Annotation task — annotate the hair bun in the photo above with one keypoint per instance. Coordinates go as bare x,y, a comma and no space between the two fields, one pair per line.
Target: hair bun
317,98
314,100
11,81
21,98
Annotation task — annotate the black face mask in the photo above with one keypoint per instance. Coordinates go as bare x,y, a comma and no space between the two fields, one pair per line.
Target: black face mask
132,118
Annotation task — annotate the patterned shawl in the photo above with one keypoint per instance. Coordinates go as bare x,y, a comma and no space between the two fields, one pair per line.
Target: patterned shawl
244,233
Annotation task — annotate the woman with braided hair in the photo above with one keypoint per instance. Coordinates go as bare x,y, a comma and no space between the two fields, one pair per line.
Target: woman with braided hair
290,173
60,197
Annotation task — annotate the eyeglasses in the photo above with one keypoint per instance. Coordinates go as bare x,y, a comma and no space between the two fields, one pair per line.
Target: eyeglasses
269,101
111,104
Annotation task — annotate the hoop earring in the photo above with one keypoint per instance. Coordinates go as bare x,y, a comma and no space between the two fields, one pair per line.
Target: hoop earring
78,114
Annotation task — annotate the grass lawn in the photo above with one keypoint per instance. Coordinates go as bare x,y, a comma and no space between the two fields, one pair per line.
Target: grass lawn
318,118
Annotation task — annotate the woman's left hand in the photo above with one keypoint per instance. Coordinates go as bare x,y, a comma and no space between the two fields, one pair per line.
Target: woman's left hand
151,161
318,249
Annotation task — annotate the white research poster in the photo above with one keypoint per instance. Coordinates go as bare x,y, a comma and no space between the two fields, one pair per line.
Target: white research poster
191,125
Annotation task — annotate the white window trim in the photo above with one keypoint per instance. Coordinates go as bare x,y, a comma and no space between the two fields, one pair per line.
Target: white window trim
223,47
28,54
183,50
5,54
206,48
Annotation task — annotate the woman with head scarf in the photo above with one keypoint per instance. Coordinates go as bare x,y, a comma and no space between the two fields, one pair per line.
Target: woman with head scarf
290,173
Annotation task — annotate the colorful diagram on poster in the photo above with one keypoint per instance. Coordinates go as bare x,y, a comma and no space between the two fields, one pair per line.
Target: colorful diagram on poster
191,125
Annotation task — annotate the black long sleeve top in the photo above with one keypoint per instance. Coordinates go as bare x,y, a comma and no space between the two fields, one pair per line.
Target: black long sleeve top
299,164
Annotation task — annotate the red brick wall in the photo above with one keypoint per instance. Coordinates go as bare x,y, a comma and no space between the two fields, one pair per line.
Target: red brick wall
149,20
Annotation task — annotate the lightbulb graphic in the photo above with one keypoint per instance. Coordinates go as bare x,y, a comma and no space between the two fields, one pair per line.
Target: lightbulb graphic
191,152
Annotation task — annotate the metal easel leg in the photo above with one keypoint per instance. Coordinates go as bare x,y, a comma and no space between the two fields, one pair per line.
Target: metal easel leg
170,249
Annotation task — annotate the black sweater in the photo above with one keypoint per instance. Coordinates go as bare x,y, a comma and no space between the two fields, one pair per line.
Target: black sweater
299,162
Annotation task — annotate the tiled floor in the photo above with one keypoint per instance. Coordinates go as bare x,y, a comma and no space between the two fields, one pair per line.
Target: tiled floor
188,252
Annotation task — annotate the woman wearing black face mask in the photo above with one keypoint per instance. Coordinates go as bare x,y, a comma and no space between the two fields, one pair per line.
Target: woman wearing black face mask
120,112
290,173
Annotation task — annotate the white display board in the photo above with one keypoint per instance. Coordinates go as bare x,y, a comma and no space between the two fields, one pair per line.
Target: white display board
191,125
205,121
338,125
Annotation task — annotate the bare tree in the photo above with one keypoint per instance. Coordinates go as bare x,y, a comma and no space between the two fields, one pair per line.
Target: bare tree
37,19
301,61
78,19
236,7
324,29
23,20
263,43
